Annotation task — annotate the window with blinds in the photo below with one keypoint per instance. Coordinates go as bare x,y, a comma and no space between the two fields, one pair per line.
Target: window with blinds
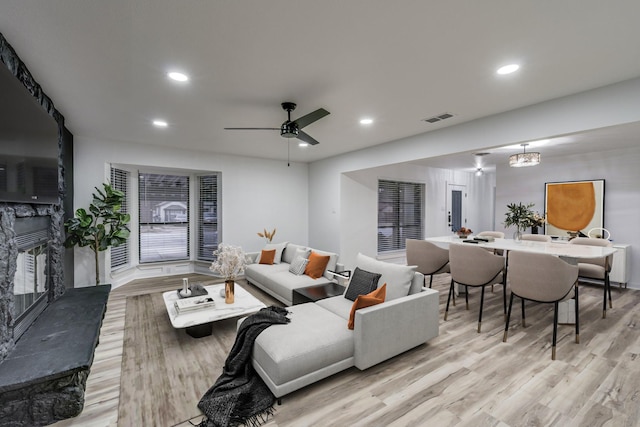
208,218
400,214
163,217
120,255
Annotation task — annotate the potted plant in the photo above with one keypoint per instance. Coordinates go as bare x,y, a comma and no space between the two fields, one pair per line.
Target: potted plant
520,216
102,227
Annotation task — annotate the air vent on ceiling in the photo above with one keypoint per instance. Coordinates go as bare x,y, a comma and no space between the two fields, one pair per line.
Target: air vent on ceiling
438,118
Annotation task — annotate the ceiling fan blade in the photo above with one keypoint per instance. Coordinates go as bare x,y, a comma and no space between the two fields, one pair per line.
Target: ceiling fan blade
310,118
252,128
302,136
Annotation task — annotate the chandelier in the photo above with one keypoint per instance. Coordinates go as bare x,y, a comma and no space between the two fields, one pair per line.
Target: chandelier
523,159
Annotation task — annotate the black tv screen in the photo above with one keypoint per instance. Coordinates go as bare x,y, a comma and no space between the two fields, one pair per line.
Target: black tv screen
28,145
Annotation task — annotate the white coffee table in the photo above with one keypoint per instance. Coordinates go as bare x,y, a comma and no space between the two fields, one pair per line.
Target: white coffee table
199,323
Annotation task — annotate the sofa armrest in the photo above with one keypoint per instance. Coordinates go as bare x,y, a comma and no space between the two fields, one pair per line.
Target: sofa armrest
393,327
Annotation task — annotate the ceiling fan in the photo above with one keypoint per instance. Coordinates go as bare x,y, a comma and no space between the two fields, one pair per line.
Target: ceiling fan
293,128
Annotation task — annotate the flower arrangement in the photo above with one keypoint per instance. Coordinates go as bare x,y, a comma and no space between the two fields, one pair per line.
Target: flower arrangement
464,232
268,235
537,220
519,215
230,261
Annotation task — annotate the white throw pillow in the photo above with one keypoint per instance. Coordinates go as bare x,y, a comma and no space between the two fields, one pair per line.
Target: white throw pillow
298,265
279,247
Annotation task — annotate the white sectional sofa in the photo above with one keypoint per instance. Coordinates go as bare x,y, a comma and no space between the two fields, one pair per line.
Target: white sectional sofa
317,343
276,280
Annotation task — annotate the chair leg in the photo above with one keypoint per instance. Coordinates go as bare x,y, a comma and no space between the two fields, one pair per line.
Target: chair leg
504,299
577,315
608,282
446,311
430,281
506,323
524,322
480,315
604,300
555,330
466,295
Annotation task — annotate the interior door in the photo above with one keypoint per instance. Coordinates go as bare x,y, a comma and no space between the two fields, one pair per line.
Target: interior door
456,206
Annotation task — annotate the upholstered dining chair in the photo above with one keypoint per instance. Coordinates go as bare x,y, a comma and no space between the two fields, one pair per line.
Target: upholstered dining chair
542,278
473,266
536,237
495,234
596,268
430,258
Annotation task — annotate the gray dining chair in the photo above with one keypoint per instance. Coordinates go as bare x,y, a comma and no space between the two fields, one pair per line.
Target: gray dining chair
495,234
597,269
536,237
542,278
429,258
473,266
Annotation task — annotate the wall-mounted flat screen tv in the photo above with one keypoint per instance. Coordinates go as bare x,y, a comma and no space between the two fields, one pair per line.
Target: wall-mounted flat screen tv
28,145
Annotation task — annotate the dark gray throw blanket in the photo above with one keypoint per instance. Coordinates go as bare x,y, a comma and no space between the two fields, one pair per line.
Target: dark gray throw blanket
239,396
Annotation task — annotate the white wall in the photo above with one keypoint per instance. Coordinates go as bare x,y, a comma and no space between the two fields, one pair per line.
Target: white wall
256,193
618,168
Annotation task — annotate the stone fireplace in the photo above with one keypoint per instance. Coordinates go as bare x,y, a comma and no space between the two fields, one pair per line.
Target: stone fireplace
31,267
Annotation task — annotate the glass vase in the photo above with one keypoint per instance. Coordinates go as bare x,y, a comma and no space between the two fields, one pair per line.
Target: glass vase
517,236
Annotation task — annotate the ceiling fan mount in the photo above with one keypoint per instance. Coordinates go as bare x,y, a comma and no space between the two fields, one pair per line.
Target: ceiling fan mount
292,128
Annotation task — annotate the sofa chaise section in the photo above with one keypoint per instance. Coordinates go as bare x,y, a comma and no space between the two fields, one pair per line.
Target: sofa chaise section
317,343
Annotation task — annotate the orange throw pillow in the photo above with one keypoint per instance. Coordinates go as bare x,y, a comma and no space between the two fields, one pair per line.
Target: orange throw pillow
267,256
316,265
372,298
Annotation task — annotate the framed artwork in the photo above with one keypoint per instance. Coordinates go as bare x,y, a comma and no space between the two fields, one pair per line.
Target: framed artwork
574,207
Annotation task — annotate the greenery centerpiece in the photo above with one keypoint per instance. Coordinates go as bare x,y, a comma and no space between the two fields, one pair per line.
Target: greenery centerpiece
229,263
520,216
102,227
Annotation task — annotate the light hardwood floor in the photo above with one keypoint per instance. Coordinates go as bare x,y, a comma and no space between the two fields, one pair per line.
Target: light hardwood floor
459,378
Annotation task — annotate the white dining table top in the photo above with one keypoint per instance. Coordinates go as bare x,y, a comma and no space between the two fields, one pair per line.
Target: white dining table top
557,248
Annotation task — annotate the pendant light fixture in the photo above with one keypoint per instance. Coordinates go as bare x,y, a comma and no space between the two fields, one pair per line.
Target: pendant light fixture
523,159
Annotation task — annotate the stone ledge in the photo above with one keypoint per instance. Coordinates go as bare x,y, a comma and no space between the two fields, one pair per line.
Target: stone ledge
42,380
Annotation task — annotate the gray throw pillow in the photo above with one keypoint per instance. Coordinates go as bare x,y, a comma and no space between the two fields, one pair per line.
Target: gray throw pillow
298,265
362,282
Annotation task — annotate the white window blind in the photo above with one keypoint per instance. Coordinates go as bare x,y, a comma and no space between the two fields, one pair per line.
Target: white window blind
120,255
208,218
400,214
164,217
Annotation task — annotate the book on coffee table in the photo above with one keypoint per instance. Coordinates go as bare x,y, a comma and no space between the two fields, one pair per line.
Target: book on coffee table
195,303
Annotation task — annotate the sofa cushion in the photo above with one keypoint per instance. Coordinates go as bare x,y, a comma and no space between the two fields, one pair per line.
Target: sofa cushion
397,277
298,265
279,247
362,282
375,297
320,340
291,251
316,265
267,256
337,305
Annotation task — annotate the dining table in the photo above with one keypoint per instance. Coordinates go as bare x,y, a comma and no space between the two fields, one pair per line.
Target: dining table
560,248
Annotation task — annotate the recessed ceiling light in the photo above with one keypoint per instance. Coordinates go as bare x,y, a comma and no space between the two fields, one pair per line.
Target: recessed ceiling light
303,144
160,123
177,76
508,69
366,121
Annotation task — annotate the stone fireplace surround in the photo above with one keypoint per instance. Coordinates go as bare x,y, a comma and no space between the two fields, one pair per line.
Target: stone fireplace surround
43,373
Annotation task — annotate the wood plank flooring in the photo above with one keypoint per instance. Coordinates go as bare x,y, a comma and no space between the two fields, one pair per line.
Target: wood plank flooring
460,378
